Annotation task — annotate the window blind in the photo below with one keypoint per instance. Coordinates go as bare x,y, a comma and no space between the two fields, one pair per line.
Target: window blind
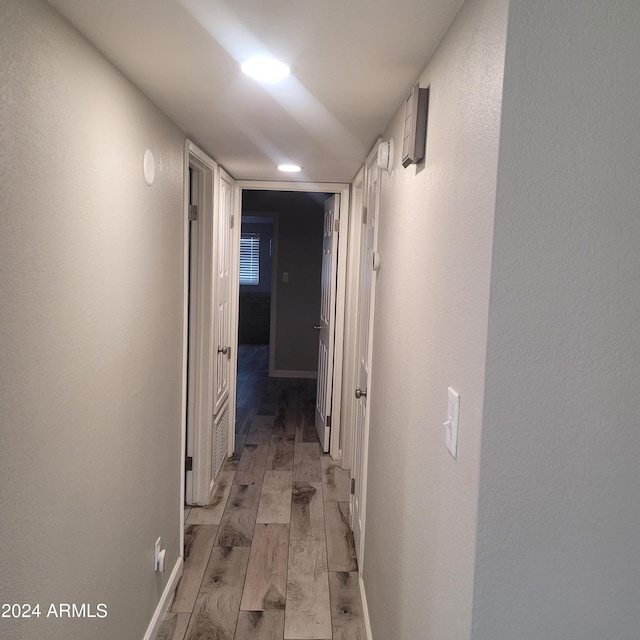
250,258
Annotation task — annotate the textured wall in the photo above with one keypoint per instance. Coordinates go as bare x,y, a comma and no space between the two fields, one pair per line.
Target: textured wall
90,332
432,300
558,553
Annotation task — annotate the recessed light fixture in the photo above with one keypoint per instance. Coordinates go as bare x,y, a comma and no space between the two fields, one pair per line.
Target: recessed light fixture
265,69
289,168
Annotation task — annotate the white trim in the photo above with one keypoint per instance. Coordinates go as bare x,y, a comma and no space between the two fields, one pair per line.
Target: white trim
200,444
234,306
338,345
349,380
165,600
365,609
285,373
185,335
343,189
308,187
370,167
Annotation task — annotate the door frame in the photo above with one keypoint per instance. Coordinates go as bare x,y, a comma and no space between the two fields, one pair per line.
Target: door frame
351,321
327,320
343,190
194,487
357,248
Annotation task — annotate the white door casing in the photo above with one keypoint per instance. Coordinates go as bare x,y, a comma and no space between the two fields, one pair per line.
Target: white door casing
199,323
342,190
351,328
234,303
193,198
327,322
363,349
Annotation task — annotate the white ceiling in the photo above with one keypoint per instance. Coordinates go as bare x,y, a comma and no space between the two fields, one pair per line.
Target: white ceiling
353,61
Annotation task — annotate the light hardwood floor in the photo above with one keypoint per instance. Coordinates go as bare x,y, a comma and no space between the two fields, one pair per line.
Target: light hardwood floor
272,557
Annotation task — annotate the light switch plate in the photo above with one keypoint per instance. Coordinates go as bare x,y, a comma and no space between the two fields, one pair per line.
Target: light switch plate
451,425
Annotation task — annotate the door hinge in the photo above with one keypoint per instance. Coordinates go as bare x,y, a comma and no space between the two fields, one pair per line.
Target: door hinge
364,214
353,486
188,463
231,221
336,226
193,212
328,421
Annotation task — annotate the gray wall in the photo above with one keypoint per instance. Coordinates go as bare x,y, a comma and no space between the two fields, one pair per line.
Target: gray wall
435,240
558,553
299,253
90,332
526,259
254,314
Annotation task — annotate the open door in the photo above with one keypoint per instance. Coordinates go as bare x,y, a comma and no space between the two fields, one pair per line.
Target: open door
210,381
222,295
368,264
223,344
326,325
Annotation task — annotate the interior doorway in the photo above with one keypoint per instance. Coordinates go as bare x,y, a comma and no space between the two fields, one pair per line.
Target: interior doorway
280,273
296,211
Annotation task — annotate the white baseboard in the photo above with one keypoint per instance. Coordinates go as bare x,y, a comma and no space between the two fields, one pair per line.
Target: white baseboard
165,601
283,373
365,610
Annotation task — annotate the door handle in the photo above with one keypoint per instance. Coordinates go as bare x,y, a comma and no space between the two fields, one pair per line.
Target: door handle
223,350
316,327
361,393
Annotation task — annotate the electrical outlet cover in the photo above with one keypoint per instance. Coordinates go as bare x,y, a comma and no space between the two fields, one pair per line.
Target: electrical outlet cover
156,554
451,425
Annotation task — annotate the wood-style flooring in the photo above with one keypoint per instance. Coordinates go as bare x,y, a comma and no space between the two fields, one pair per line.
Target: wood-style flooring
272,557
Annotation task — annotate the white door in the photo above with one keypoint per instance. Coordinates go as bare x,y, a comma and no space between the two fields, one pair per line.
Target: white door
326,324
222,352
365,326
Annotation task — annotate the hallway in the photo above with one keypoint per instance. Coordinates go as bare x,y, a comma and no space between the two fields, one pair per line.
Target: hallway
272,557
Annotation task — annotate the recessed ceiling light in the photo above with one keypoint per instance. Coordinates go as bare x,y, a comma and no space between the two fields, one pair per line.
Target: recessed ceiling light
265,69
289,168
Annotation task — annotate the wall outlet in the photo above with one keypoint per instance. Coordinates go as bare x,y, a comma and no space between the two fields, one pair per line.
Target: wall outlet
156,554
451,425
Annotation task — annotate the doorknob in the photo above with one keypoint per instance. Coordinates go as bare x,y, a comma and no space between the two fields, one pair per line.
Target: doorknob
316,327
223,350
361,393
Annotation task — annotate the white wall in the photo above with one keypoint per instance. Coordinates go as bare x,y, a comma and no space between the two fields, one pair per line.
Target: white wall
435,240
90,332
558,553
